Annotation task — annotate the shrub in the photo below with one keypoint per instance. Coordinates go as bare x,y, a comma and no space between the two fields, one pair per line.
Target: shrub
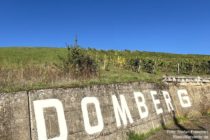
133,64
208,67
186,67
149,65
78,64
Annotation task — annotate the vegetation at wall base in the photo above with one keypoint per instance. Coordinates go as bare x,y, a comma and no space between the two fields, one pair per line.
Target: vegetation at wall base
24,68
142,136
181,120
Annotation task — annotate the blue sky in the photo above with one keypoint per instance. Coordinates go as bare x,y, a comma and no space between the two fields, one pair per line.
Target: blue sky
176,26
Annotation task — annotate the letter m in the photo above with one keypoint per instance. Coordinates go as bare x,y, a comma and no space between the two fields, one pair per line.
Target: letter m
121,111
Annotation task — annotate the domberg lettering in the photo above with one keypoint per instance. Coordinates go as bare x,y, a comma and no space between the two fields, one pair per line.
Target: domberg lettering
120,108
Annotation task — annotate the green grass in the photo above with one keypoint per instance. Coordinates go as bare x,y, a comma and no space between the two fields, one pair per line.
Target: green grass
24,55
143,136
20,56
25,68
208,112
107,77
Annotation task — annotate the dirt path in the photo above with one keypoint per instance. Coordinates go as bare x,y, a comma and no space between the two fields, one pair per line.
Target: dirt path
198,129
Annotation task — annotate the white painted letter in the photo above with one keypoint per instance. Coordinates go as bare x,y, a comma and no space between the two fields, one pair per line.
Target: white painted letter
168,100
39,106
183,98
92,129
121,111
156,102
141,104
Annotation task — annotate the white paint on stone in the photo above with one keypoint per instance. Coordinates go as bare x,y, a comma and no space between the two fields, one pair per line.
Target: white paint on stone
120,107
141,104
156,102
168,101
121,111
39,106
184,98
88,128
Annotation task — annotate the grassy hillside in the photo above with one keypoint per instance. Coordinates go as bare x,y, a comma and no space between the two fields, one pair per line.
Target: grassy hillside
30,68
17,56
12,55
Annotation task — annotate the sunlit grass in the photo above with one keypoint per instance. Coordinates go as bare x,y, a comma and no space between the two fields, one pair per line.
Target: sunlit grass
34,68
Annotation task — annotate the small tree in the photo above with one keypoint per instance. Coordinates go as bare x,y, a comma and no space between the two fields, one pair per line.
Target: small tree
78,64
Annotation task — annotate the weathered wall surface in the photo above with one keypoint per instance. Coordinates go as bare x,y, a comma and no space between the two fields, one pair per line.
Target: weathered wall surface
199,96
71,99
18,119
14,116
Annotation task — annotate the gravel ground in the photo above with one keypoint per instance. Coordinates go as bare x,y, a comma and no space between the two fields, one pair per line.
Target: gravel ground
198,129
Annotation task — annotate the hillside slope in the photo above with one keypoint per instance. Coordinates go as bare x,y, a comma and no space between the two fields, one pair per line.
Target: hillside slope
23,68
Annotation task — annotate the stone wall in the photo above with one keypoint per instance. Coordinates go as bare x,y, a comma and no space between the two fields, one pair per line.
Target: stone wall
199,96
63,111
14,116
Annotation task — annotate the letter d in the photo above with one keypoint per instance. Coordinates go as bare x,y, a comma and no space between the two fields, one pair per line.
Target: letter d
39,106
